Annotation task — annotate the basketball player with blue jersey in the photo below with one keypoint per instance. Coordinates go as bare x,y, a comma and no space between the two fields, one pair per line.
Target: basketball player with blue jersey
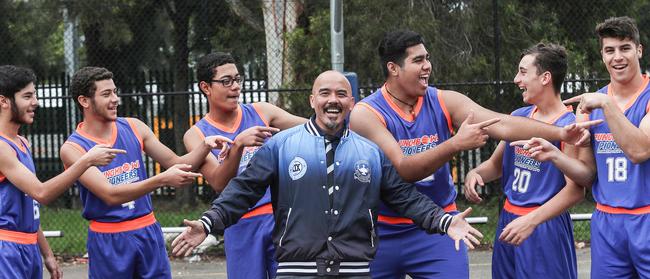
620,225
529,183
124,238
248,244
413,124
21,192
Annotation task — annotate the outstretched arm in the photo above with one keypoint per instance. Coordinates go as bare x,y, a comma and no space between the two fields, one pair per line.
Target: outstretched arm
513,128
418,166
582,171
406,200
96,182
46,192
218,171
166,157
242,192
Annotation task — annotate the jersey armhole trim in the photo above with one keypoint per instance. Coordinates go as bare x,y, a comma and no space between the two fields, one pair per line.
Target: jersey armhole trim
135,132
445,111
375,112
261,115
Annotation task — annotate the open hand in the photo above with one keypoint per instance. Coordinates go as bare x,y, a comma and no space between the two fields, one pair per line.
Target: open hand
461,230
188,239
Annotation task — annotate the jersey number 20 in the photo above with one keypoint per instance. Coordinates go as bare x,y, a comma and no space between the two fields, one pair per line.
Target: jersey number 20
522,179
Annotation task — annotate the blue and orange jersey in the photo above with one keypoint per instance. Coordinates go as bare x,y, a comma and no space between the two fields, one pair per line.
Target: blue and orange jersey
620,183
18,211
248,115
526,181
124,169
429,126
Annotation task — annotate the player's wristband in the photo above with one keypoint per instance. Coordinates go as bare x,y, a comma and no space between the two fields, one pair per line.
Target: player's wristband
445,222
207,225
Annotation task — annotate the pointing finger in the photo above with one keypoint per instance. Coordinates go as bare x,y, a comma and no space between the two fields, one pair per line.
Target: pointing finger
572,100
588,124
488,122
190,174
116,151
519,143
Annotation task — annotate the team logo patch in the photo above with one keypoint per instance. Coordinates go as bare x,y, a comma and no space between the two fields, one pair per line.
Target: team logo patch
297,168
362,171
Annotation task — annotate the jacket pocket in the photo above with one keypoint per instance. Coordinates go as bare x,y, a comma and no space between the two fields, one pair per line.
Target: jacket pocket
372,229
286,227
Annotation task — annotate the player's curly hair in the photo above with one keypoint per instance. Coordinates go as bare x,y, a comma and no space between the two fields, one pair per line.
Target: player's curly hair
13,79
83,82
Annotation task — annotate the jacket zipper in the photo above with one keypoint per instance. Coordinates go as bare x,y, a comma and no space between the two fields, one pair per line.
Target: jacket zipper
286,226
372,230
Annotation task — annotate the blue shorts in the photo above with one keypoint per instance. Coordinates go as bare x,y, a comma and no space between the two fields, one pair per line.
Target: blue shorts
549,252
249,248
20,260
406,249
139,253
620,245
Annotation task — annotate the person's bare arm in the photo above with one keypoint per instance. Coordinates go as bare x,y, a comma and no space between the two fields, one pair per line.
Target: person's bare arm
510,127
487,171
166,157
418,166
278,117
48,257
94,180
46,192
580,171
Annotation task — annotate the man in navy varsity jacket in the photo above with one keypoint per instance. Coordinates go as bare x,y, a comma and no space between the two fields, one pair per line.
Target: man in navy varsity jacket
326,184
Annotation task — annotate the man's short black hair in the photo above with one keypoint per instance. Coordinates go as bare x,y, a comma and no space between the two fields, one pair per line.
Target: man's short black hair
207,65
13,79
392,47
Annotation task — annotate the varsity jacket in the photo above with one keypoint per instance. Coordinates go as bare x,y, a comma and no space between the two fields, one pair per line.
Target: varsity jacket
312,238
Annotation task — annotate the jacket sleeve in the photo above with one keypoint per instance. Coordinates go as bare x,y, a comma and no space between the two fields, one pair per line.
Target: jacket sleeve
242,192
405,199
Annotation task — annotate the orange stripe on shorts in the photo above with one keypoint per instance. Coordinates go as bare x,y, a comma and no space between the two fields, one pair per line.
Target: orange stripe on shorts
621,210
518,210
125,226
18,237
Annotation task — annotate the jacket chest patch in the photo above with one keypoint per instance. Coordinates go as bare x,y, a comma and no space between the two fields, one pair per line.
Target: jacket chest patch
297,168
362,171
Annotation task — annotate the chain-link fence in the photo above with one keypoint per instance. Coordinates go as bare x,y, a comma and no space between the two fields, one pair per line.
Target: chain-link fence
280,45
